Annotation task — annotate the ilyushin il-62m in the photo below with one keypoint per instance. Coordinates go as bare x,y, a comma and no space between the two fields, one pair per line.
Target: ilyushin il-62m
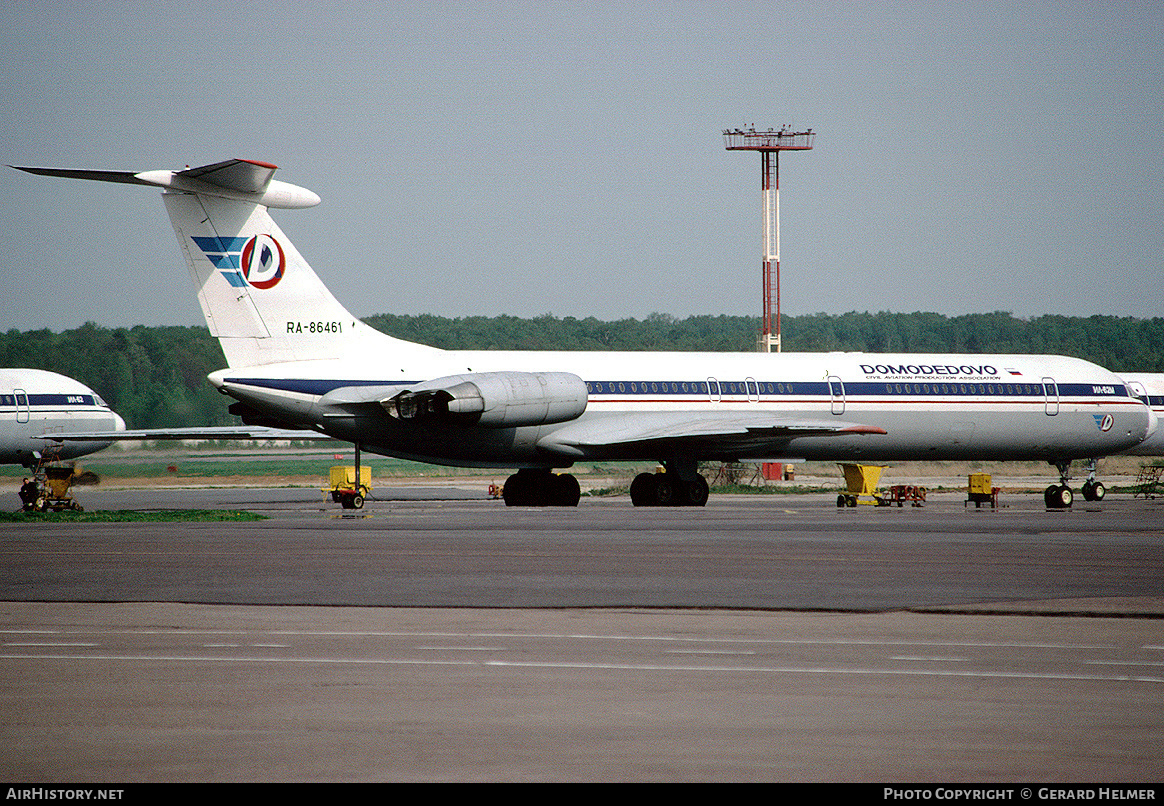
298,359
36,404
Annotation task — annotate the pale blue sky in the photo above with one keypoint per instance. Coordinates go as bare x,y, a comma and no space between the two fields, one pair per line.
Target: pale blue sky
566,158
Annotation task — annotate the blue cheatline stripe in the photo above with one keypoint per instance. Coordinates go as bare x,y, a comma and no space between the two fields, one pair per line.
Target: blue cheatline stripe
855,389
61,400
770,390
58,400
50,400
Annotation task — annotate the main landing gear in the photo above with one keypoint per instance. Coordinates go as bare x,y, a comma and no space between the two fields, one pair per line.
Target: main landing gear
679,486
1059,496
541,488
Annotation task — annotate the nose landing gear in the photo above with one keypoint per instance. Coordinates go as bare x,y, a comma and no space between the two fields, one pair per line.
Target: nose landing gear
1059,496
1093,490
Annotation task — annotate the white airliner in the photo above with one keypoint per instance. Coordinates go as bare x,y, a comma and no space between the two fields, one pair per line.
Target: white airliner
36,404
298,359
1148,387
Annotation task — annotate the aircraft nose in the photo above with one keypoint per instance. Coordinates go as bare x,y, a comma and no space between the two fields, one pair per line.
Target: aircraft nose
118,422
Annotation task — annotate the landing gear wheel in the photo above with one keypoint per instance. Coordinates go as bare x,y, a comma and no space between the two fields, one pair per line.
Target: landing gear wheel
565,491
1058,496
642,490
695,492
664,492
667,490
518,491
1094,491
541,488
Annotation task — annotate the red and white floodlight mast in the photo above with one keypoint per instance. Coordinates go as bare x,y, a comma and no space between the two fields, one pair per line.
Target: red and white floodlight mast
770,143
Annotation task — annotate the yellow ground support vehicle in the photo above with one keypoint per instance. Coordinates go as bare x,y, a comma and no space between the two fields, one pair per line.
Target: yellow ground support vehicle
980,491
345,491
53,485
861,483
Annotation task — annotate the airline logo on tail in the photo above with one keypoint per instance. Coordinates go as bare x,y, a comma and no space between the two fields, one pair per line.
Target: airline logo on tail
258,261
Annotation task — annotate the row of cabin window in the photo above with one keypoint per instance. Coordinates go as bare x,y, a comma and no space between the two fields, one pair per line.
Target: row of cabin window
688,387
966,389
767,388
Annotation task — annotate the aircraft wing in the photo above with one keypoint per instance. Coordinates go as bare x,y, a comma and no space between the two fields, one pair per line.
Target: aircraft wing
727,433
222,432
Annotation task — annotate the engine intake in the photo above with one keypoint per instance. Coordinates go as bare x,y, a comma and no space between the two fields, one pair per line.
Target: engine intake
493,399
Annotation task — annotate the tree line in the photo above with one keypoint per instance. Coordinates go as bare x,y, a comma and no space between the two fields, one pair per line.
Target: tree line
155,377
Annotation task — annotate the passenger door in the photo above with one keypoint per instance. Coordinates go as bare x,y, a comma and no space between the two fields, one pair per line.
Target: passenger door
837,394
1051,390
21,405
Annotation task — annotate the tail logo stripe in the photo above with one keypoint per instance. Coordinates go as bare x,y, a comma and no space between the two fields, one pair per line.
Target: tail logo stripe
258,261
212,243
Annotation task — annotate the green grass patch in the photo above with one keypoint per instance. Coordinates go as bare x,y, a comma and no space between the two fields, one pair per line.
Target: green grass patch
132,516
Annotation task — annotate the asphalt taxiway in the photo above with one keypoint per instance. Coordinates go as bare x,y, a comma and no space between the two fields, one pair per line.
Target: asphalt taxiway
446,547
438,635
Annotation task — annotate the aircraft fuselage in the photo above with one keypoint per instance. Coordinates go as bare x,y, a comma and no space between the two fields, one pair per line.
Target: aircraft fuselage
36,402
997,407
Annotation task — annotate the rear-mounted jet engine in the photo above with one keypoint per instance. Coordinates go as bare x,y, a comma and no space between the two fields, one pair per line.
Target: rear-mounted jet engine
494,399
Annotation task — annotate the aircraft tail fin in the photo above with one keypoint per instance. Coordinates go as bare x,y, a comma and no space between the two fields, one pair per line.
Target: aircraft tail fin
259,296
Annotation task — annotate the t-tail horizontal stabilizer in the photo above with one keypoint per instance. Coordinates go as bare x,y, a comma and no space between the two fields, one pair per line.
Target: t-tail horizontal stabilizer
241,180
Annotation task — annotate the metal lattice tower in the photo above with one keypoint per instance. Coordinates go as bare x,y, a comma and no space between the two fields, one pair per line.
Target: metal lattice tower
770,143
